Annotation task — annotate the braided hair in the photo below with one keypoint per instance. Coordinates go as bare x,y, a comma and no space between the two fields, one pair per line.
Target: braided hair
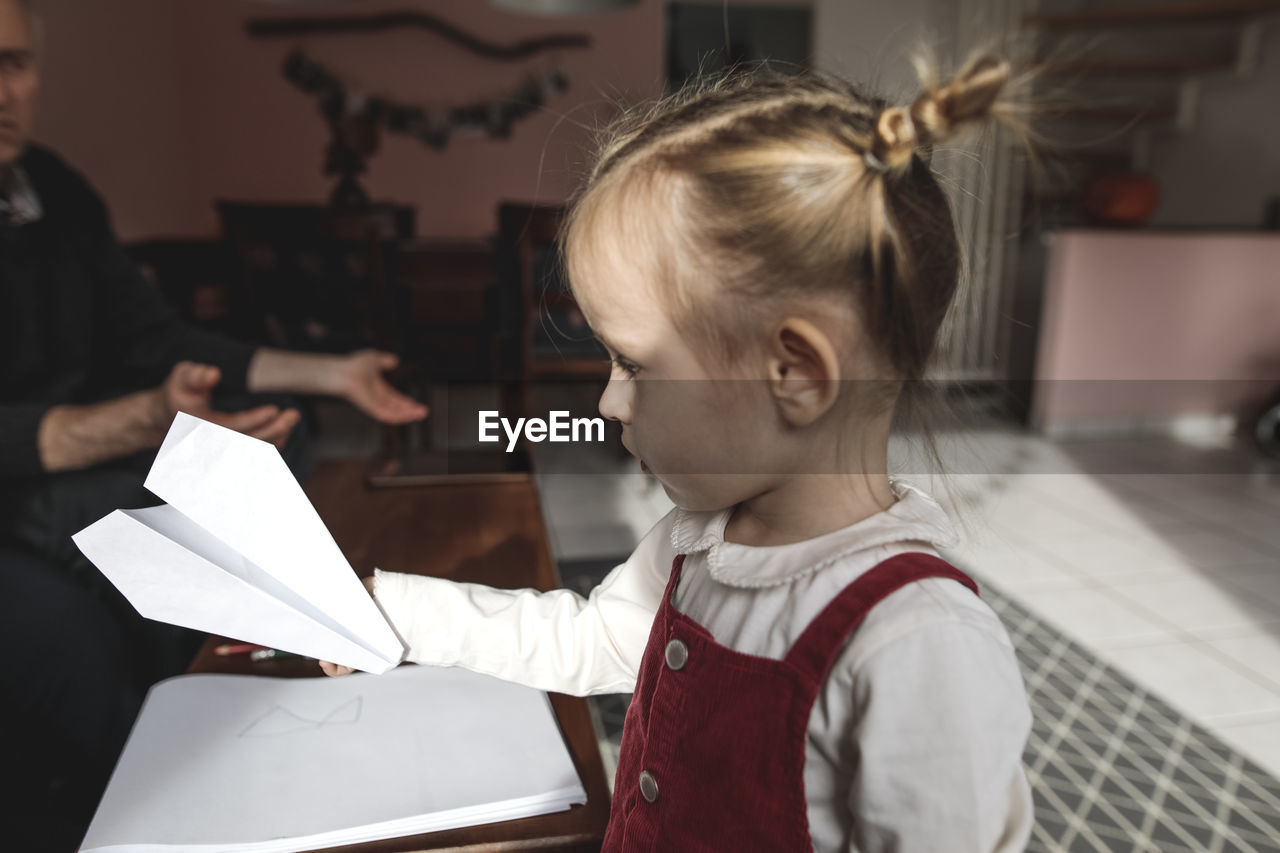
772,187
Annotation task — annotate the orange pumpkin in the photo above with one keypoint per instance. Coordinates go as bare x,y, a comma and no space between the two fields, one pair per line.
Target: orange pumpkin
1120,198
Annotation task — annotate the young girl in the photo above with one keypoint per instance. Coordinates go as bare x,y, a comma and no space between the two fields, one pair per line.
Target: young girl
767,261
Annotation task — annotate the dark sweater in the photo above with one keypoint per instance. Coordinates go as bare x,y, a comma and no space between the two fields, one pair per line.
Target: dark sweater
78,323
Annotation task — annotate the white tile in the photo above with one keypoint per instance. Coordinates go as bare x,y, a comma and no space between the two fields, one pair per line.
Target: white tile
998,452
1264,537
1094,617
1231,513
1225,500
592,541
1205,548
583,492
1257,651
1262,582
1134,484
603,514
1258,741
1265,486
1009,566
1065,487
1149,511
1196,605
1106,557
1088,499
1185,493
1237,487
1195,681
1034,518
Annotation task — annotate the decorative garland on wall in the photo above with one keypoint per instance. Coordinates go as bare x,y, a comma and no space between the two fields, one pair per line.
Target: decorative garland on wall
291,27
429,125
355,118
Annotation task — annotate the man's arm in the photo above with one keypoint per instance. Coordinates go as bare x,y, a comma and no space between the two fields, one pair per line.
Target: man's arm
147,337
140,339
72,436
356,377
79,436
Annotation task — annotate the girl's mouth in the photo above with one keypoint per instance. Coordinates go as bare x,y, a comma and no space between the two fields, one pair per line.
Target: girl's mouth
644,467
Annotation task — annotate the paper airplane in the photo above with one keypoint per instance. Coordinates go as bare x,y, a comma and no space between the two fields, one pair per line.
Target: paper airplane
239,551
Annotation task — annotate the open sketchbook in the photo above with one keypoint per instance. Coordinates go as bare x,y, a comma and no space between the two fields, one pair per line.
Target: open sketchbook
246,764
239,551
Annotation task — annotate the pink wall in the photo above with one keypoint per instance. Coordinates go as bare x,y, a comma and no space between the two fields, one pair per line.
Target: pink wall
1196,313
111,104
178,107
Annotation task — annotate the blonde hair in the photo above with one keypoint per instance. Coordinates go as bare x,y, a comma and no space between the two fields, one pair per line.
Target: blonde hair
775,187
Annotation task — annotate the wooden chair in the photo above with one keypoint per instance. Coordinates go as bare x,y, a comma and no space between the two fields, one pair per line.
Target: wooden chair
315,278
523,329
460,336
318,278
452,314
550,339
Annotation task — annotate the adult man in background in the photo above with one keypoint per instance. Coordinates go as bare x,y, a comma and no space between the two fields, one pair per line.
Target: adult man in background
93,367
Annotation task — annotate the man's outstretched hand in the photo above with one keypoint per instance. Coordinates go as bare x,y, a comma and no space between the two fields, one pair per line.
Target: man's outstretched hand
189,387
356,377
359,378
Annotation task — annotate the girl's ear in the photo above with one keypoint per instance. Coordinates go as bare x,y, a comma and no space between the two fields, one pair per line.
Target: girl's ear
803,370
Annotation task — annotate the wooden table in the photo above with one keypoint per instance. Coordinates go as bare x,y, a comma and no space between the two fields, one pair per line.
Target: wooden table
492,534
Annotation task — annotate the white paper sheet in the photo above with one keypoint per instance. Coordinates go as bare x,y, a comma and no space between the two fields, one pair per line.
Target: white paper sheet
264,765
239,551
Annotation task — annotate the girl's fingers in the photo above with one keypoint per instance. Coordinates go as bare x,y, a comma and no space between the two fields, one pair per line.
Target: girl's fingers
334,669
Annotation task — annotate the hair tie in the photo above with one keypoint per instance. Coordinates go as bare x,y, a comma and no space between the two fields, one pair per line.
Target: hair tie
874,163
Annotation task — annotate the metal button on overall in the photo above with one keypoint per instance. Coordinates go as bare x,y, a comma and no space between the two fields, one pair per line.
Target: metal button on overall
648,786
677,654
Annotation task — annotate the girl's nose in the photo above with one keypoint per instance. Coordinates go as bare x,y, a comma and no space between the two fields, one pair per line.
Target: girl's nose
615,402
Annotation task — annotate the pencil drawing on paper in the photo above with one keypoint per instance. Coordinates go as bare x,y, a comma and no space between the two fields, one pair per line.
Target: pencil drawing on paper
279,720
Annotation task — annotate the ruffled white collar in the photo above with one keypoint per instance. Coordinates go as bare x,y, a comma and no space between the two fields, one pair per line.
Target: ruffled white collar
913,517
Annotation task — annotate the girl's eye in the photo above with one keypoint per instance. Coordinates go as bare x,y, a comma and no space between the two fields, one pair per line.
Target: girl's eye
629,368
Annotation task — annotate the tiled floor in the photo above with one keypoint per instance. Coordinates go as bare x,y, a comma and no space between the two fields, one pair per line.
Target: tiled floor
1114,768
1173,578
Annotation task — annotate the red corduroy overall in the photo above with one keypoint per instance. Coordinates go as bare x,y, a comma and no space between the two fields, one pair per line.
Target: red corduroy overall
713,746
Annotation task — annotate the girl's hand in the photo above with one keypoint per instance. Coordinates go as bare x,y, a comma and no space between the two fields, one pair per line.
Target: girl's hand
333,669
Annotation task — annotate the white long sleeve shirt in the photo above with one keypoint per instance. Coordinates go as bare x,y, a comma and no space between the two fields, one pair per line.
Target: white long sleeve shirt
915,741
